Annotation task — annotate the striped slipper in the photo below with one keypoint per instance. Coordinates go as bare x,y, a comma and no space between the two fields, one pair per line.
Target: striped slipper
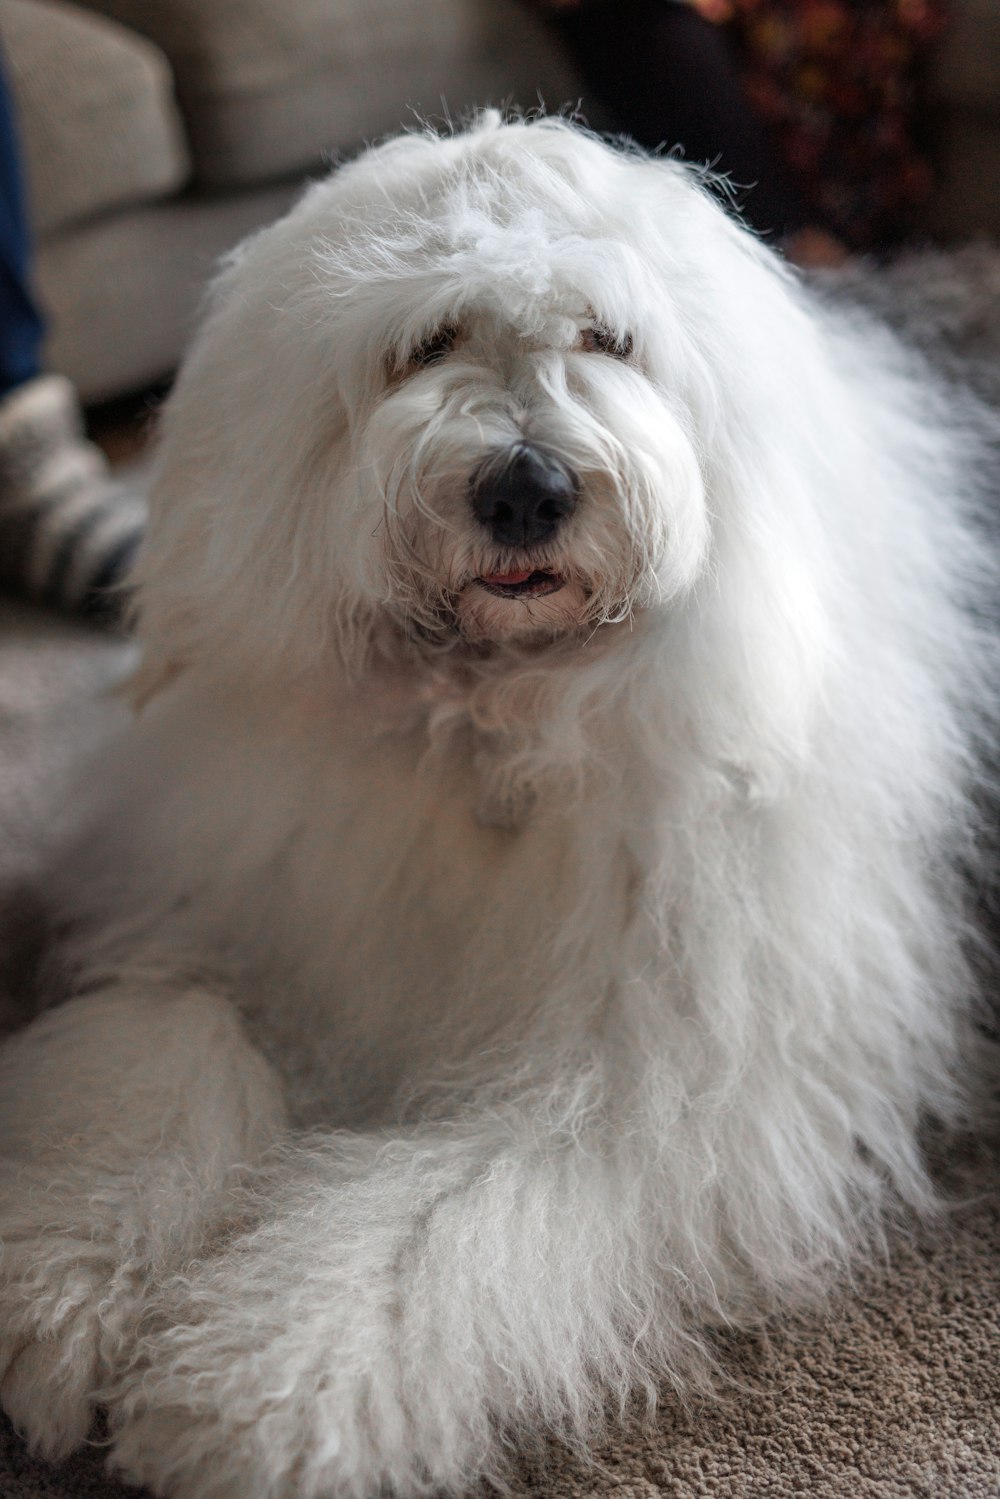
68,531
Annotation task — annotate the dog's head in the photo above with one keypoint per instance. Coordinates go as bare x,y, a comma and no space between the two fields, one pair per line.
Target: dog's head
519,466
496,389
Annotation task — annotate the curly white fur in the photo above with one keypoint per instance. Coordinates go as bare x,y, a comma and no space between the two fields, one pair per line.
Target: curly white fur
481,996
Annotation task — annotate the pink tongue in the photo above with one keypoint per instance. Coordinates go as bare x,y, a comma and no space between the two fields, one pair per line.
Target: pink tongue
509,578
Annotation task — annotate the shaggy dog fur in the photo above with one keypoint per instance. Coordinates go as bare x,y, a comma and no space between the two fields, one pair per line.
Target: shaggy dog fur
525,929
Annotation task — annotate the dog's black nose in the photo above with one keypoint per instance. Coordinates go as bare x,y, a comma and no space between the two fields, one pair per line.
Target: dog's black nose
523,497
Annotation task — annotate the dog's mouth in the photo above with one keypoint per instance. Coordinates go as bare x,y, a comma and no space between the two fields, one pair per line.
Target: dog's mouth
522,583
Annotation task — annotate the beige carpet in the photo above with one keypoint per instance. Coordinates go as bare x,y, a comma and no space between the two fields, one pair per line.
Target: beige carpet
893,1394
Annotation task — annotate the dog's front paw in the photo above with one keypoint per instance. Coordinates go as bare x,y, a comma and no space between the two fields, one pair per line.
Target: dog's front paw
268,1425
174,1452
64,1316
253,1384
71,1293
191,1436
48,1376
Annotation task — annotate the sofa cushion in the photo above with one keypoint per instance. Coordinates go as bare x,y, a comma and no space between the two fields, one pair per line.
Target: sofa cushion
123,291
268,88
97,117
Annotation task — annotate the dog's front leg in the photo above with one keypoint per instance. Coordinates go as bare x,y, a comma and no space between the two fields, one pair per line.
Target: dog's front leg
403,1303
122,1117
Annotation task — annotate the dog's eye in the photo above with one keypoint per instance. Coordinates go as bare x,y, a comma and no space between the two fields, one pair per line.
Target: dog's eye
434,349
602,341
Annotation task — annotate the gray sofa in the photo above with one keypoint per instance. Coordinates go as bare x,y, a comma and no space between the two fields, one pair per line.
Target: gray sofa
158,132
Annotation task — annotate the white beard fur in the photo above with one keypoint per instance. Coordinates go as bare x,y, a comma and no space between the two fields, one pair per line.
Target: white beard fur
480,1001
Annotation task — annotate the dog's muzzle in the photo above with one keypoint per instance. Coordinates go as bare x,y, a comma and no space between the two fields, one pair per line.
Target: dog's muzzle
523,496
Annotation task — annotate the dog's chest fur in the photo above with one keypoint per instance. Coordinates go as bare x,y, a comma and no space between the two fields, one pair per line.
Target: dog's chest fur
376,921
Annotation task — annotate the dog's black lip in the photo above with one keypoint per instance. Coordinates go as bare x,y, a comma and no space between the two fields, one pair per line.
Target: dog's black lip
539,584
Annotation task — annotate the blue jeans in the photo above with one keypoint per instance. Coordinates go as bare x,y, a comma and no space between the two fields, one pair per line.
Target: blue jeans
22,327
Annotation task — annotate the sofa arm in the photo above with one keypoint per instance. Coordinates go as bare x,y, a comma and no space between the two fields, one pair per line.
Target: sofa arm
99,125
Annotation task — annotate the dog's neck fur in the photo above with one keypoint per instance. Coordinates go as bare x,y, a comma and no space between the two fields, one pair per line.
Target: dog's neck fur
532,720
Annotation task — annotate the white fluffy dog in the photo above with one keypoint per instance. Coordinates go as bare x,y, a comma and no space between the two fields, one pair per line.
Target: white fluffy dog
525,928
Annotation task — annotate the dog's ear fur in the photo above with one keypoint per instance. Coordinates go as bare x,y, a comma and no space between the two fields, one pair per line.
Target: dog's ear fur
757,628
238,506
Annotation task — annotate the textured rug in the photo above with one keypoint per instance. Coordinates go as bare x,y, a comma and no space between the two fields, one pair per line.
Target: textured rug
892,1393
